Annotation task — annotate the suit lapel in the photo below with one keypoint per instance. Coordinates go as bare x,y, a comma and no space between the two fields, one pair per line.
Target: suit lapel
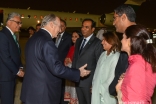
62,38
87,45
10,37
79,44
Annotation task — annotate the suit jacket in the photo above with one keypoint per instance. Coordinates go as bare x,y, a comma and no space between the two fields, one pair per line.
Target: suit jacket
121,67
10,60
42,80
90,55
64,45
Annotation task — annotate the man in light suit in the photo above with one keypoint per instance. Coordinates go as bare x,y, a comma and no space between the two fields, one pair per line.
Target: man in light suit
44,70
63,44
10,60
89,53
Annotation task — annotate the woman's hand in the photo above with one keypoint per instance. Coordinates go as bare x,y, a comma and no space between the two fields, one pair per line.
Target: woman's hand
67,61
122,76
118,86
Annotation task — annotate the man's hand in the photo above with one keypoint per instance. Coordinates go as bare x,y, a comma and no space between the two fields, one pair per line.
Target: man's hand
20,73
84,72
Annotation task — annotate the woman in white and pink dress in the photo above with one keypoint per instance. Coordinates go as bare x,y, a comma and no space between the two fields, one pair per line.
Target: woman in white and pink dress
70,92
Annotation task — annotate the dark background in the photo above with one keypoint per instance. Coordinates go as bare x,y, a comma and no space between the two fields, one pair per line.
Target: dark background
146,12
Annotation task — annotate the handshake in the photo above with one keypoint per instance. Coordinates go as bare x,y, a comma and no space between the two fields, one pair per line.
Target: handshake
83,71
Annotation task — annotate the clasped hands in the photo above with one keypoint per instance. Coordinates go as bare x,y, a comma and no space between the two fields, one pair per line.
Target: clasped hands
20,73
83,71
118,86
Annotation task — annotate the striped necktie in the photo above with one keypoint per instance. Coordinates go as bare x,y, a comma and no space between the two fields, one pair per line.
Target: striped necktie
83,43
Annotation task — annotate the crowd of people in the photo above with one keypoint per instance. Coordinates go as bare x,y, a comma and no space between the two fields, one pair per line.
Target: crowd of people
82,67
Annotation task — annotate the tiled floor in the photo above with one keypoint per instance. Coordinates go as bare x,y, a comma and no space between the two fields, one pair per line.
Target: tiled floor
22,42
18,92
154,97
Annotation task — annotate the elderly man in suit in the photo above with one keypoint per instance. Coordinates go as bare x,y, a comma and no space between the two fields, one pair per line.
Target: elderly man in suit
87,50
10,60
44,70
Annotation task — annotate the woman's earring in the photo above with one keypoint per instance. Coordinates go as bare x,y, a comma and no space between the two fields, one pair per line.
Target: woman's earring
129,44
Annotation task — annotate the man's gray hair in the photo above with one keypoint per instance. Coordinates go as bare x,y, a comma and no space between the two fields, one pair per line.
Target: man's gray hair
47,19
12,15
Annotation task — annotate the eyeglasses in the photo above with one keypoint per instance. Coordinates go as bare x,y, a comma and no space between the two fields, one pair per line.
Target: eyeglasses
19,23
114,18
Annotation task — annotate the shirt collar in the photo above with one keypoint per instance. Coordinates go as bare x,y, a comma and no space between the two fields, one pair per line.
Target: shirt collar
87,39
47,31
62,34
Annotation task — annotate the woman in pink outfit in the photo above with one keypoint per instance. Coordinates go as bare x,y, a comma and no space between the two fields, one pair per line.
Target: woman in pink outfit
137,85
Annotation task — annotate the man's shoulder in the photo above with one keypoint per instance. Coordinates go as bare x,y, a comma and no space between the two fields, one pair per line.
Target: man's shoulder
66,33
123,54
79,39
96,40
4,32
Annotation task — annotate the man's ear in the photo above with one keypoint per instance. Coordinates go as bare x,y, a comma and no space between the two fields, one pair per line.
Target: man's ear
51,24
8,22
124,17
93,29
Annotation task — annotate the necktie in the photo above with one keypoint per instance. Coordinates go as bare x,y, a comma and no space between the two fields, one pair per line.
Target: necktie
83,43
15,39
58,39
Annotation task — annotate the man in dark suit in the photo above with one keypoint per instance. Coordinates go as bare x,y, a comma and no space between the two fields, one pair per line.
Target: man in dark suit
44,70
87,50
124,16
10,60
63,42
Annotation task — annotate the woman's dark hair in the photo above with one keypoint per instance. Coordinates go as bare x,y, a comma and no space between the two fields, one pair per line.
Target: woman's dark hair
138,36
78,32
112,39
31,28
